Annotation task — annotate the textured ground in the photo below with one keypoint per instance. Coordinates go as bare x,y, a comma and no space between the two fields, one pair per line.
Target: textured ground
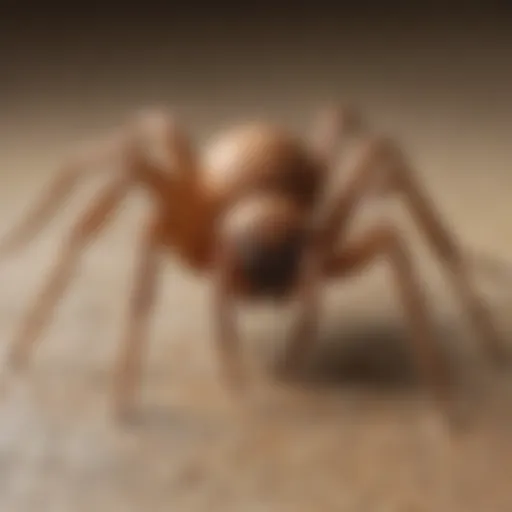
363,440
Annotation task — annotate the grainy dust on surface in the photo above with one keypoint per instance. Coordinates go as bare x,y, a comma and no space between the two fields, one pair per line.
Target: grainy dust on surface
364,439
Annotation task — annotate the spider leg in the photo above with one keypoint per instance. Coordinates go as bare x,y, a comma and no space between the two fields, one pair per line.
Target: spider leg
446,246
381,241
87,227
332,127
305,329
384,241
146,149
153,152
62,186
353,258
141,305
226,335
329,223
383,168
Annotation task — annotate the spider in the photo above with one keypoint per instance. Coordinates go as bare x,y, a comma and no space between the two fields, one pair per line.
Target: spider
249,211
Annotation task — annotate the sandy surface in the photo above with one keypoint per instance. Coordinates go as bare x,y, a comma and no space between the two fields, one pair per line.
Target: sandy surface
366,439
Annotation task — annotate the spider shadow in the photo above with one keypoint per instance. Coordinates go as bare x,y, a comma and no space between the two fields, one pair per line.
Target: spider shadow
375,357
379,360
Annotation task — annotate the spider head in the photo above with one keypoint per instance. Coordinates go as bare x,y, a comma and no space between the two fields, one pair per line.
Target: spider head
267,237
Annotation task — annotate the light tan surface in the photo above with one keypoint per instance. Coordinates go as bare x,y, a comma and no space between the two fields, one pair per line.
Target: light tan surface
339,449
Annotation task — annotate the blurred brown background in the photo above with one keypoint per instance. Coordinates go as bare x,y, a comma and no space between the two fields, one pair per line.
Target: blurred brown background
439,79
